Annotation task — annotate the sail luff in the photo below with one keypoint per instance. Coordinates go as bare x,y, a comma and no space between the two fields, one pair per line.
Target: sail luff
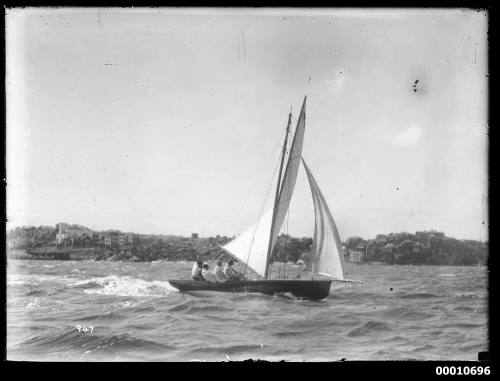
317,234
326,254
288,183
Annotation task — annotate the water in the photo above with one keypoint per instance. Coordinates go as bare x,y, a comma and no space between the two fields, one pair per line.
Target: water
131,312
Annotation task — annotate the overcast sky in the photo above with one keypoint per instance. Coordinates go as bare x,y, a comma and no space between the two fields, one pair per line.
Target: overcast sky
170,120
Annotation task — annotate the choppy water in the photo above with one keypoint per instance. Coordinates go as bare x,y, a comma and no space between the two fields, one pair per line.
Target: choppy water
399,313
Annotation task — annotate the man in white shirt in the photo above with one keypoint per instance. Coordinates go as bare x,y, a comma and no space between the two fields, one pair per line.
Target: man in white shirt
208,275
196,271
230,272
219,273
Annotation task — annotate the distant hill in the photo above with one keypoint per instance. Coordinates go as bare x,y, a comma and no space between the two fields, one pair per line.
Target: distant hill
422,248
425,247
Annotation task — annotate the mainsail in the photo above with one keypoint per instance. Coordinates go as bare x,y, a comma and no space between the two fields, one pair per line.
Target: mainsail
326,253
251,246
289,179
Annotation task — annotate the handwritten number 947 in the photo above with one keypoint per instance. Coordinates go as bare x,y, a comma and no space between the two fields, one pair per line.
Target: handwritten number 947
84,328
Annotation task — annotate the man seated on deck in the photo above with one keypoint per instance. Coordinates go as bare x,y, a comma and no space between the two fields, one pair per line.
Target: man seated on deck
208,275
196,271
231,273
219,273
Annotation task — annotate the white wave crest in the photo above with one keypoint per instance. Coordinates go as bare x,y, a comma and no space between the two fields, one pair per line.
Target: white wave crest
465,294
126,303
126,286
34,303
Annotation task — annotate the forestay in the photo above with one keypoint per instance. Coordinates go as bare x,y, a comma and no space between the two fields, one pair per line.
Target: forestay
251,246
326,252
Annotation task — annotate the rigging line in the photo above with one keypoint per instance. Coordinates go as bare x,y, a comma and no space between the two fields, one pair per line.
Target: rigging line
280,266
283,255
261,211
287,220
261,172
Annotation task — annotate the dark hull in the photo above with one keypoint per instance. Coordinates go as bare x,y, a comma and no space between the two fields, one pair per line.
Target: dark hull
310,289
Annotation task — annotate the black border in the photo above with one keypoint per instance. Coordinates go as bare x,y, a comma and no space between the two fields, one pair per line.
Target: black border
331,370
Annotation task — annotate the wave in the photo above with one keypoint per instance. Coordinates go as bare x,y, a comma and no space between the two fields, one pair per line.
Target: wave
108,316
73,339
125,286
35,292
148,308
395,339
464,325
465,308
127,303
248,296
465,294
193,307
418,295
287,351
356,293
86,285
35,279
474,347
208,309
35,303
231,349
407,313
289,334
369,327
424,348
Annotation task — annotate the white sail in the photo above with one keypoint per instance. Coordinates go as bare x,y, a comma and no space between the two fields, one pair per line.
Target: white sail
290,177
251,246
326,252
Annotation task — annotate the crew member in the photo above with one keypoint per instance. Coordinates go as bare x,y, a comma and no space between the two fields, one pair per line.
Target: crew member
219,273
208,275
196,271
231,273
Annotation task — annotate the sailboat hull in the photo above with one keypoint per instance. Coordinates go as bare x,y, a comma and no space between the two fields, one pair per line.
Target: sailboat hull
309,289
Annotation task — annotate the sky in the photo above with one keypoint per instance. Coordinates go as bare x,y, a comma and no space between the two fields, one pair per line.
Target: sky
170,120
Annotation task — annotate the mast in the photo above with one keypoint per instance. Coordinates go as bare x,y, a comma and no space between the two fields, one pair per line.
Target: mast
276,198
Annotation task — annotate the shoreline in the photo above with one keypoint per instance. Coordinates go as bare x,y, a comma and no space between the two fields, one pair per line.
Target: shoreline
80,258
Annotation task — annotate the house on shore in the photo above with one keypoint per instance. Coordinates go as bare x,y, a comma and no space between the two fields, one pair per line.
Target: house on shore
357,254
